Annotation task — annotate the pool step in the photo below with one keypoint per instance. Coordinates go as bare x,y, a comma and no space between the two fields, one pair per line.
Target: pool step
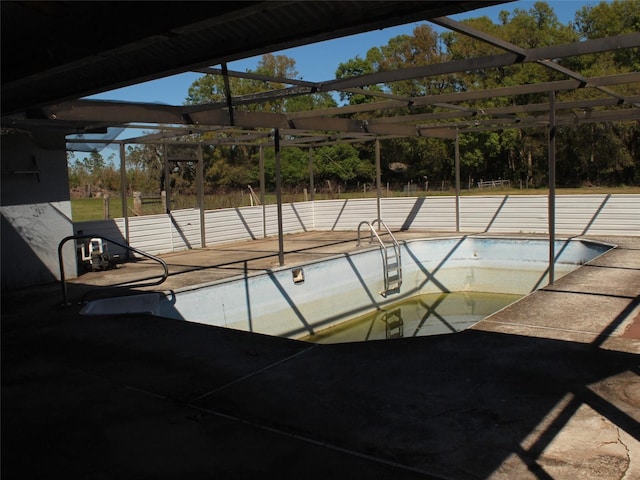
146,303
392,269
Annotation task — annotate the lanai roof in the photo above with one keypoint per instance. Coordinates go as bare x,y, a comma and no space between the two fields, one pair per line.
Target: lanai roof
452,114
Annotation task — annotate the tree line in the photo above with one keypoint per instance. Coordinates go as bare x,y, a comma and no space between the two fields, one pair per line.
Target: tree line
588,154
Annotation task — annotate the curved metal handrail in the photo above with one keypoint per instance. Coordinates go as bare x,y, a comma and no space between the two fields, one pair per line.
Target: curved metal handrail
63,281
372,231
383,249
382,224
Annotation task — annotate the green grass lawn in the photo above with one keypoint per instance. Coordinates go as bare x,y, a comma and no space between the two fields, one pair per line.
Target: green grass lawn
83,209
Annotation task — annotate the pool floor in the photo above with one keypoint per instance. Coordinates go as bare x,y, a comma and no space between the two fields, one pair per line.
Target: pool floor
421,315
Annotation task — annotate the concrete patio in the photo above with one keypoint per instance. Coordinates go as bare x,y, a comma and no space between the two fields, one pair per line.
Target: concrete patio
546,388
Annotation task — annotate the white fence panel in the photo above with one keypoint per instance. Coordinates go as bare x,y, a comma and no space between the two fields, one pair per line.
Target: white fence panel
246,223
344,214
419,213
233,225
616,215
304,217
296,218
185,229
520,213
601,214
151,233
477,214
504,214
575,214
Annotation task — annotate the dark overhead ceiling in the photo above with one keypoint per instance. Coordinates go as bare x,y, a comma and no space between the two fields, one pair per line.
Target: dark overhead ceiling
55,51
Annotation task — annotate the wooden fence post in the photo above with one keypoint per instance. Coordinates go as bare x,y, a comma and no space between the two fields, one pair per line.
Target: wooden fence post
137,203
105,202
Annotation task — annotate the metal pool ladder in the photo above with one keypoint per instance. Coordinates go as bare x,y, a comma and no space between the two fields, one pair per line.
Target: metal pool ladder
391,261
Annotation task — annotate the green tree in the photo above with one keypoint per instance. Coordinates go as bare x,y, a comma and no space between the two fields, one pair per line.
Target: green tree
360,66
604,153
211,88
236,166
608,19
420,49
145,168
514,154
93,171
342,163
94,164
79,176
230,167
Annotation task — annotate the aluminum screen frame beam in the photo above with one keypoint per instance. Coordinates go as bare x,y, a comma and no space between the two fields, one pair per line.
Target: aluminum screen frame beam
629,40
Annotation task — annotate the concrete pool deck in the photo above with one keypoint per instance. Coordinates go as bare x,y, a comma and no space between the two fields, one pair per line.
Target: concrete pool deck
546,388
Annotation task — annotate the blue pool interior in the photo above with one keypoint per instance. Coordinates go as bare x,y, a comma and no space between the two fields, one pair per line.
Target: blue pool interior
303,300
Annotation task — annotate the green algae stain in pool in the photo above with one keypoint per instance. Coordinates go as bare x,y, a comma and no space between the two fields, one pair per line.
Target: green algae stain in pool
429,314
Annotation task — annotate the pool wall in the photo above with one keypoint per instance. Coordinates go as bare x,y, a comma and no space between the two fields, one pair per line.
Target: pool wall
345,286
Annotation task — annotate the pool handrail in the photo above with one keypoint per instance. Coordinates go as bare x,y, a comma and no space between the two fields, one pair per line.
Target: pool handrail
163,277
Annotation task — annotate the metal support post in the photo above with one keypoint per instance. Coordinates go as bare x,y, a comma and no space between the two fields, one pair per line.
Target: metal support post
262,187
378,181
124,187
552,185
167,176
200,188
311,179
279,198
457,174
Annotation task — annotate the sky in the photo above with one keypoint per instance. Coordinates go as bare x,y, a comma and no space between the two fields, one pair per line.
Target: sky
318,62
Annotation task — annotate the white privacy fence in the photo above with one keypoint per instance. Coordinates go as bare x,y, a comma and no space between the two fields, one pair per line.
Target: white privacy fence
601,214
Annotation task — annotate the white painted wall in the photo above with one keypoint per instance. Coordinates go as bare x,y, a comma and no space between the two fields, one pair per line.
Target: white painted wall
36,210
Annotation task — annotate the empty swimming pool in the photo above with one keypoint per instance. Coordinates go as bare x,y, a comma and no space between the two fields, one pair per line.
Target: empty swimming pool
304,300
